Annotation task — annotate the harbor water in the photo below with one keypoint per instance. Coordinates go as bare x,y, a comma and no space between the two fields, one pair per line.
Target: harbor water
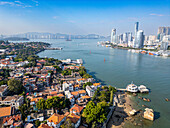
119,69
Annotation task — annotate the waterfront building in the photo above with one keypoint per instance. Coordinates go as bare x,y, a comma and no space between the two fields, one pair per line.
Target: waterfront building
139,39
164,46
113,36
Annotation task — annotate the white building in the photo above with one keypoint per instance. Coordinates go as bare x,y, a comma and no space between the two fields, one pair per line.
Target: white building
90,91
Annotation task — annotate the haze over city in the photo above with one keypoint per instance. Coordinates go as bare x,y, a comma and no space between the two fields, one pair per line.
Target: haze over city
82,17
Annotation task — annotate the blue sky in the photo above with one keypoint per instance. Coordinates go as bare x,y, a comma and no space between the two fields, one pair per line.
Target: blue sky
82,16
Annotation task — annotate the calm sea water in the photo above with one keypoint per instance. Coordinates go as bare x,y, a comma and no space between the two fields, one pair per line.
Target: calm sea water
120,68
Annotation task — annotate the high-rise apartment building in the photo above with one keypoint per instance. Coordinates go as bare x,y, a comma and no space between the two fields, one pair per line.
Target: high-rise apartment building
136,27
139,39
165,30
113,36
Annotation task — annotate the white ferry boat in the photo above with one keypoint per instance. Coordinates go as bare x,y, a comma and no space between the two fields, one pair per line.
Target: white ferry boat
132,88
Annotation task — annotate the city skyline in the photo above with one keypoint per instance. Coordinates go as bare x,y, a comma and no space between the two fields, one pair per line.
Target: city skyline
82,17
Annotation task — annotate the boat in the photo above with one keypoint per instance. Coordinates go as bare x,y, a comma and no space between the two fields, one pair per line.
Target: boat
143,89
132,88
150,53
143,52
165,54
108,45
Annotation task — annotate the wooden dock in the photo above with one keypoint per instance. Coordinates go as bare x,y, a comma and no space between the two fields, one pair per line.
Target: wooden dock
121,89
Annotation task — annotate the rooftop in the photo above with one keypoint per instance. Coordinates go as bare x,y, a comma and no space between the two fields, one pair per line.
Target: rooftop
56,118
5,111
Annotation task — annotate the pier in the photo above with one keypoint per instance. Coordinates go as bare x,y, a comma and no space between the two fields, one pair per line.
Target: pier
121,89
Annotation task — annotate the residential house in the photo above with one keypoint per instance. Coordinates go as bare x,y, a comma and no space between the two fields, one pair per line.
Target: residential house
75,94
56,120
96,85
75,119
82,92
12,121
76,109
81,81
3,90
6,111
68,94
44,126
14,101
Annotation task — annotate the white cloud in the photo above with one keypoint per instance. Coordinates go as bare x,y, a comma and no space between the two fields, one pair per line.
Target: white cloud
17,3
35,1
6,3
154,14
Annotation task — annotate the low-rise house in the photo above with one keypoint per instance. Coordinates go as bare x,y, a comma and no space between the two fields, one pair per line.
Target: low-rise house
3,90
75,94
6,111
14,101
81,81
96,85
68,94
76,109
82,92
56,120
86,98
72,100
45,126
35,100
29,125
77,87
90,91
75,119
11,121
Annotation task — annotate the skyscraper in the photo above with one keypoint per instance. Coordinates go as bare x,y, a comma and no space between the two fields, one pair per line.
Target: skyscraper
136,27
164,30
125,38
113,36
139,39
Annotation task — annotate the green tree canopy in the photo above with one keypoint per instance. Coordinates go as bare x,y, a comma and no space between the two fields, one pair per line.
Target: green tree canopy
15,86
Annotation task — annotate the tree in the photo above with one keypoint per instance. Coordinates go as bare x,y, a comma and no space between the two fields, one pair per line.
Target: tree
41,105
15,86
58,69
53,102
37,123
67,124
23,109
111,97
94,112
86,76
88,83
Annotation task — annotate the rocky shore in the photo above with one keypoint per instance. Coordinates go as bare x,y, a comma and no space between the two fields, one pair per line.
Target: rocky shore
122,117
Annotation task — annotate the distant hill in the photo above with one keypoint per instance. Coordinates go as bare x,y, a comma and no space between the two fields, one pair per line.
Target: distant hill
15,39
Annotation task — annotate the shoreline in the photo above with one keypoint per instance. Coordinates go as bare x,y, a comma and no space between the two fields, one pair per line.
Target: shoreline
121,117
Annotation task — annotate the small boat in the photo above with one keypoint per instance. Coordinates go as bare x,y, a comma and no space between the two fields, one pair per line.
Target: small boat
143,89
143,52
150,53
166,99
